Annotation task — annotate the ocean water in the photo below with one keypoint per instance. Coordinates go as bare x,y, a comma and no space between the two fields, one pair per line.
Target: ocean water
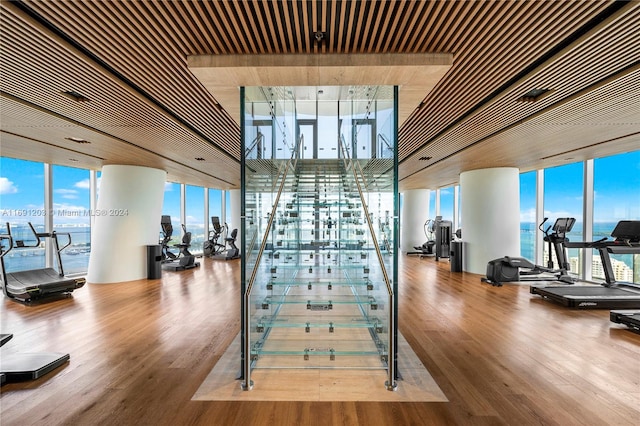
529,231
75,258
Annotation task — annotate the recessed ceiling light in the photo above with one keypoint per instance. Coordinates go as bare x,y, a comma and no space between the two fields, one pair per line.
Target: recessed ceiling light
534,95
319,36
77,140
78,97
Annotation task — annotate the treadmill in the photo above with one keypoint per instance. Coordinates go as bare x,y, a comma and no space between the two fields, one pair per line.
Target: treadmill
27,286
630,318
27,366
611,294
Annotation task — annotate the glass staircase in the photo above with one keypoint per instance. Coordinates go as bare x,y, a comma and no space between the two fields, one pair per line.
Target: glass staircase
319,265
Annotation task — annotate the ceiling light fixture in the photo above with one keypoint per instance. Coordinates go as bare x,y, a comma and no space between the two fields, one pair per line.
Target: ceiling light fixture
534,95
78,97
77,140
319,37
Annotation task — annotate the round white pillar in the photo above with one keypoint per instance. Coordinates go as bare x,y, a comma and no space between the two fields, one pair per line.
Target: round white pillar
415,212
490,208
127,219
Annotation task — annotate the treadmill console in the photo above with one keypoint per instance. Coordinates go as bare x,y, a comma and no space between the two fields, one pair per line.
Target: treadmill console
627,230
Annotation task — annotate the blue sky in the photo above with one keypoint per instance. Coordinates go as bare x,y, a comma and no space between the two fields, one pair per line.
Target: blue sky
22,189
617,192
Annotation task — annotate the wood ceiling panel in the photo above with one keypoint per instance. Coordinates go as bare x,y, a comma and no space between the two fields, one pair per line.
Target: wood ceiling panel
598,122
130,58
558,74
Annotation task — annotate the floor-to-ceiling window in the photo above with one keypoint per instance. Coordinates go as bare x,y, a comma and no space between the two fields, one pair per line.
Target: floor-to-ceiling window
227,206
528,225
432,205
215,208
171,207
21,202
616,186
72,216
563,197
446,203
194,216
327,129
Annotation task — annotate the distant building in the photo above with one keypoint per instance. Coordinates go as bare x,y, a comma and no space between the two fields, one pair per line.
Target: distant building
621,271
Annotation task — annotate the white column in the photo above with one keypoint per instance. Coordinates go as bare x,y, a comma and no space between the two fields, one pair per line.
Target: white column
234,220
415,212
127,219
490,201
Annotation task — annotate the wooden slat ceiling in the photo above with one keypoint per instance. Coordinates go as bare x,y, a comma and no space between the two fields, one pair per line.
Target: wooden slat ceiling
130,59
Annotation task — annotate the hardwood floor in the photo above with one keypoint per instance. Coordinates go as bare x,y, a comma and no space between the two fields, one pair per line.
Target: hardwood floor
140,350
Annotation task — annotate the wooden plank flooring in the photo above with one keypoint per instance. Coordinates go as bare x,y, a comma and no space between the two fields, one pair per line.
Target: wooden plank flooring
140,350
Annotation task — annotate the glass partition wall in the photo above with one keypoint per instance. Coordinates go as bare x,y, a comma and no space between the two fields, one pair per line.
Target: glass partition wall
320,223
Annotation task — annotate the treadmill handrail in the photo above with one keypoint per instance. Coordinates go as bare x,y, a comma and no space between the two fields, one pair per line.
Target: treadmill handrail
3,277
602,242
20,243
55,236
3,252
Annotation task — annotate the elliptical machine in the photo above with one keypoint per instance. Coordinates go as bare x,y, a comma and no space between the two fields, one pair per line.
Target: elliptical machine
184,259
439,236
216,250
513,269
212,247
426,249
167,232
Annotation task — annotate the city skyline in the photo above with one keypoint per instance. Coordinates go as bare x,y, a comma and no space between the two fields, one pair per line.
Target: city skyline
616,192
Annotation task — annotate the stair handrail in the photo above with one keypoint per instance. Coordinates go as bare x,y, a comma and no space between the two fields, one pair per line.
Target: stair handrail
350,163
291,164
256,142
383,138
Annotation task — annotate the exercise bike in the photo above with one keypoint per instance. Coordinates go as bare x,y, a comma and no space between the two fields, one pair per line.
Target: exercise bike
513,269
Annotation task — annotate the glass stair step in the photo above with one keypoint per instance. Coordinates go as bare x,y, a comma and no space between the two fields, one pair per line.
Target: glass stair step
325,283
323,322
319,302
